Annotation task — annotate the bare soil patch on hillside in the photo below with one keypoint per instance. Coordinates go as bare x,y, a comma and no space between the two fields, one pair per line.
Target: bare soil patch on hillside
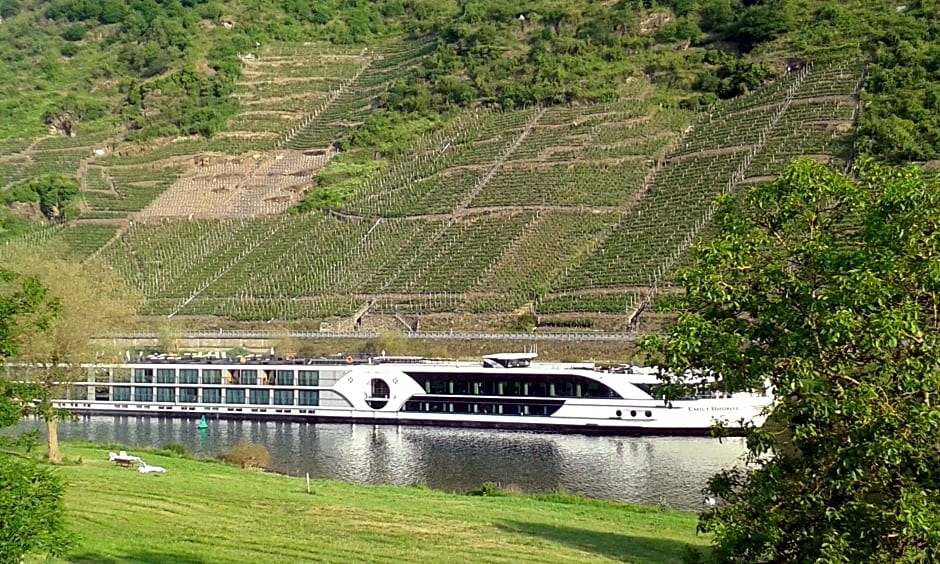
258,184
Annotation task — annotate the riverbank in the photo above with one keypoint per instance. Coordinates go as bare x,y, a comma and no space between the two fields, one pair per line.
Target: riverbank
204,511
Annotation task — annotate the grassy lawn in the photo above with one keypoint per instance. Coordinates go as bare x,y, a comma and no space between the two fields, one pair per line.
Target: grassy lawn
204,511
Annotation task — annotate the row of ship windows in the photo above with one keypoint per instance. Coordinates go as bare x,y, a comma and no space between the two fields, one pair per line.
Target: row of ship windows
480,408
238,377
549,387
209,395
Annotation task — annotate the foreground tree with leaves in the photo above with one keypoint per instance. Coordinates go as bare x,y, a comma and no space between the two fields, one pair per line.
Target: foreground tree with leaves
92,301
32,516
828,286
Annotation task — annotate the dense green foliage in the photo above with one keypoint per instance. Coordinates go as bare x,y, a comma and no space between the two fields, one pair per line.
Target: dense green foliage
167,69
159,68
513,54
901,120
52,194
827,286
24,306
338,182
32,513
390,133
161,97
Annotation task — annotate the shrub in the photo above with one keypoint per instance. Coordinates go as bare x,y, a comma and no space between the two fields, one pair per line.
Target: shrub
249,455
52,192
74,32
489,489
32,515
176,449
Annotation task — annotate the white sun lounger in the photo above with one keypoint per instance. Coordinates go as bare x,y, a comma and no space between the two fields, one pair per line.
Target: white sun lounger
122,458
145,468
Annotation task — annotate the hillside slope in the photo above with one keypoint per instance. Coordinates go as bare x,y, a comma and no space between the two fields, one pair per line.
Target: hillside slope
563,209
456,160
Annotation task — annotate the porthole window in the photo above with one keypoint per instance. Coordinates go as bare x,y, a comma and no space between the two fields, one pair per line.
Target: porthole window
633,413
619,413
378,393
649,413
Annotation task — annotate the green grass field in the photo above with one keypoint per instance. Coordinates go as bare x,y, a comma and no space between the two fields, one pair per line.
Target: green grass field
202,511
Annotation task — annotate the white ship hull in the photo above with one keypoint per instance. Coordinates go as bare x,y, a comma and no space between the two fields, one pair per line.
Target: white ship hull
538,398
672,423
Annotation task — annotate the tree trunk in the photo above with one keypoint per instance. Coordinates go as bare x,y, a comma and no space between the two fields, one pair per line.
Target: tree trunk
52,441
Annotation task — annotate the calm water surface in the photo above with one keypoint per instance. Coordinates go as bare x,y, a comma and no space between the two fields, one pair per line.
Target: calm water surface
646,470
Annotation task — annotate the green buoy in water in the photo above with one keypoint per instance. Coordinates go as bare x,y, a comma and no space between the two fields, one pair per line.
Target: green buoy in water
202,423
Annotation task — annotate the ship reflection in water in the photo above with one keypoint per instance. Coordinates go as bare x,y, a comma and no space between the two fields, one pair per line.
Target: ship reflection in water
647,470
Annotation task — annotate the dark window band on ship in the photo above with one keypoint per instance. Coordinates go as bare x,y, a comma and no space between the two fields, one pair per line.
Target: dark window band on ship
501,394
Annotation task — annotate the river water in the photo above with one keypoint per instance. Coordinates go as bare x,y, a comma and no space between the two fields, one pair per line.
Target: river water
646,470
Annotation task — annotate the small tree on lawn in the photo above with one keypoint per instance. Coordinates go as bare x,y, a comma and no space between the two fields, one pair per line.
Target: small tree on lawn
828,286
93,302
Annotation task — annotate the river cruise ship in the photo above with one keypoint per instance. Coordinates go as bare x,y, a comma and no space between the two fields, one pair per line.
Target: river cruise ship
507,390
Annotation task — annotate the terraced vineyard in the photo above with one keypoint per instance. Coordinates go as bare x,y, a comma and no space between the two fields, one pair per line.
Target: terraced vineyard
567,211
286,84
593,156
295,100
22,159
